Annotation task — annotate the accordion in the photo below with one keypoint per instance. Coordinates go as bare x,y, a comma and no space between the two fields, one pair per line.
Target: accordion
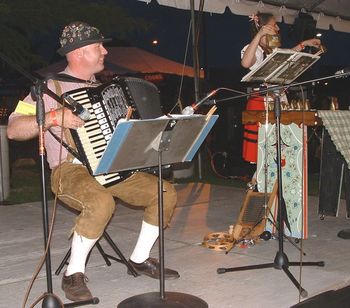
107,104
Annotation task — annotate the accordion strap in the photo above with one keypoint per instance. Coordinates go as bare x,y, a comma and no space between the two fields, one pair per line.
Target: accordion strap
67,78
69,145
70,150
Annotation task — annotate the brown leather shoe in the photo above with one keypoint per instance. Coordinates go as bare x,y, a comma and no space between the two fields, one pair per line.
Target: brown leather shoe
151,268
75,287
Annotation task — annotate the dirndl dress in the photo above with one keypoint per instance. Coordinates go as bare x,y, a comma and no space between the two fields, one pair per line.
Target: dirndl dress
250,131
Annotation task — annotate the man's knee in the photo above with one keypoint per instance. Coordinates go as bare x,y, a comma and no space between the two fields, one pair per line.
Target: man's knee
95,216
103,208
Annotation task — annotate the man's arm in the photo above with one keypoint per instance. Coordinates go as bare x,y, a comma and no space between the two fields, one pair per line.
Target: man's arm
25,127
22,128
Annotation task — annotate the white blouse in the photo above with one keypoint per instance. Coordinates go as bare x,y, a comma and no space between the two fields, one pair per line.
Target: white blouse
259,55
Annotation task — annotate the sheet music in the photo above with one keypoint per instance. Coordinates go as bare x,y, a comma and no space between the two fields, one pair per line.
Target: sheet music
282,66
132,143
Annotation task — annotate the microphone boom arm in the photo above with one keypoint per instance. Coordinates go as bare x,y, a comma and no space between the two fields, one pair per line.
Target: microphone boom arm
42,85
274,88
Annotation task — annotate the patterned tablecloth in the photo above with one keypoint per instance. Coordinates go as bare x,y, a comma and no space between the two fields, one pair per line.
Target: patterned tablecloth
337,123
294,173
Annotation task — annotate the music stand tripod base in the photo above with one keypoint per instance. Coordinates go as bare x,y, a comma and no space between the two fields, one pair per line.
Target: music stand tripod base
344,234
171,300
92,301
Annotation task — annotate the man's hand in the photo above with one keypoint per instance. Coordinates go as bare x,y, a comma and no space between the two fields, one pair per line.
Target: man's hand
66,118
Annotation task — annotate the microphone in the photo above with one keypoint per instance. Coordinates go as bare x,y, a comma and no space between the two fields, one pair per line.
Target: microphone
345,70
76,108
189,110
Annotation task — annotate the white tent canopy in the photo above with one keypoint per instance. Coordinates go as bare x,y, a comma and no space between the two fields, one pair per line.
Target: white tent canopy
325,12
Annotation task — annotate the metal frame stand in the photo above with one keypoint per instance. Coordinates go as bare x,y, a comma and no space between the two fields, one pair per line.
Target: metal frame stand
50,300
162,299
104,255
281,260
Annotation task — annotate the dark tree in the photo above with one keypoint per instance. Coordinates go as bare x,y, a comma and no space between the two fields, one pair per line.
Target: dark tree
28,28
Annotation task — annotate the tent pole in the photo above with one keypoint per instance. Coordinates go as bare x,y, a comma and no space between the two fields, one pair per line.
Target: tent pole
194,52
195,71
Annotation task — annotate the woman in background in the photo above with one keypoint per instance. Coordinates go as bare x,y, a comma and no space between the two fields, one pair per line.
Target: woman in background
265,37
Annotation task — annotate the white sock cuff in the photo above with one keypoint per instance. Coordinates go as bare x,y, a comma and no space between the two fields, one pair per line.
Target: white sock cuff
80,249
152,229
147,237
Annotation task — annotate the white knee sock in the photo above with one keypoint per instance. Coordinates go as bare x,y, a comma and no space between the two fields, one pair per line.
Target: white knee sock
81,247
147,237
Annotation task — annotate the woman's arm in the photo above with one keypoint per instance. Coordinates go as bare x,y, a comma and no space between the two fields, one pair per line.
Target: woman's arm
249,58
314,42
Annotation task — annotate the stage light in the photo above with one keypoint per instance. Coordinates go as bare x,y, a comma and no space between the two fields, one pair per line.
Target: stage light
155,42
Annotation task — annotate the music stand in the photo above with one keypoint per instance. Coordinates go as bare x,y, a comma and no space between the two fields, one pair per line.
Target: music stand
280,67
165,140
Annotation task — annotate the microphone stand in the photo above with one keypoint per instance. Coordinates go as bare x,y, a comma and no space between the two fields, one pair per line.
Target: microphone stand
50,299
281,260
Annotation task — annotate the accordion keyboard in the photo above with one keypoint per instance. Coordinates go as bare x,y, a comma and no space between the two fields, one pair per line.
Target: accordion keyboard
106,107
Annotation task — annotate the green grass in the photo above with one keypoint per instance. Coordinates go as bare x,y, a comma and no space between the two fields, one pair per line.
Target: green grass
25,185
208,176
26,182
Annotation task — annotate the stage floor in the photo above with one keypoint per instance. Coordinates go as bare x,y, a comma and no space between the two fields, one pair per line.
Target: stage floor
202,209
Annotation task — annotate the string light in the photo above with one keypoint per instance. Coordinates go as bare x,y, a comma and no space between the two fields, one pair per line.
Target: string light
320,14
260,4
282,10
